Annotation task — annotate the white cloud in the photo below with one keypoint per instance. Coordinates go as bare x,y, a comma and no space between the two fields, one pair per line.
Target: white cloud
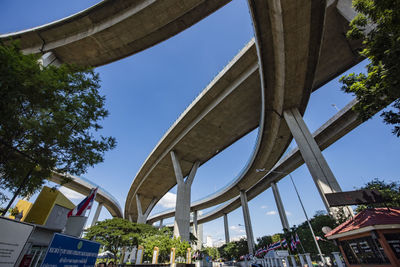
264,207
70,194
237,229
168,200
288,213
272,212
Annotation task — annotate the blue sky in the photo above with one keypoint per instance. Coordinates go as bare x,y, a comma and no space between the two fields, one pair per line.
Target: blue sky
148,91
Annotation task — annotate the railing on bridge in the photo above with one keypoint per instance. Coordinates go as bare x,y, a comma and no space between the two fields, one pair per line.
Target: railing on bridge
283,259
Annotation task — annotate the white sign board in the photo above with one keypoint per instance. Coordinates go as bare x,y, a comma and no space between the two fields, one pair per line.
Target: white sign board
13,237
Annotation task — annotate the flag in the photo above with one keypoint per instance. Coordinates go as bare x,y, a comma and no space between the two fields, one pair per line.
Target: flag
85,204
293,244
284,243
275,245
297,239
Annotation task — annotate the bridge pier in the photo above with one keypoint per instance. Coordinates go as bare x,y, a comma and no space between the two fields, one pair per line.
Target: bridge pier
247,222
195,225
161,224
197,230
226,226
142,217
279,205
182,208
315,161
199,235
97,214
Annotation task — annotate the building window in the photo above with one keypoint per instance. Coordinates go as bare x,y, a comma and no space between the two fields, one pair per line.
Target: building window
364,250
394,242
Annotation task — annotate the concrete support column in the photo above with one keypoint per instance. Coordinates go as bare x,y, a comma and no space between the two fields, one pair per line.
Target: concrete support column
247,222
315,161
182,208
97,213
279,205
161,224
226,226
200,237
195,226
142,217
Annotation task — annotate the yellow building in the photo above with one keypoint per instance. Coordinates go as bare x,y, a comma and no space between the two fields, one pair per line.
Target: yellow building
24,206
50,209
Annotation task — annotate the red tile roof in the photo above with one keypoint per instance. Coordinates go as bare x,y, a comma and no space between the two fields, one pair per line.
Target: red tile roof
369,217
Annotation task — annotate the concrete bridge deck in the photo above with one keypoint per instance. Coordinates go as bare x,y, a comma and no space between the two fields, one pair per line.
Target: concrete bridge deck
198,136
342,123
300,45
113,29
83,186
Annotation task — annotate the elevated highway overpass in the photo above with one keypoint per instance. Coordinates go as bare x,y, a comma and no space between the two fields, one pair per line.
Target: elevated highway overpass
299,46
339,125
84,186
106,32
227,103
113,29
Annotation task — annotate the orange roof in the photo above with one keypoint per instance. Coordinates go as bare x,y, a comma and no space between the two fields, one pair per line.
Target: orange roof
369,217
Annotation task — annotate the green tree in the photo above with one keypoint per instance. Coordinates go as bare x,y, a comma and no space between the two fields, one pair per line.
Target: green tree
319,220
264,241
380,86
49,118
233,250
116,233
390,192
214,253
164,240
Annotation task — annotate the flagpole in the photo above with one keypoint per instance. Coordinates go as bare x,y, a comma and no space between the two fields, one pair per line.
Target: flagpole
308,221
302,248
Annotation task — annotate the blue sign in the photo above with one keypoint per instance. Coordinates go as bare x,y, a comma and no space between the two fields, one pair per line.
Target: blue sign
70,251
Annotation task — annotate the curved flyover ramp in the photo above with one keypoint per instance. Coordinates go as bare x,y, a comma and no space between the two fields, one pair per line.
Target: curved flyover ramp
113,29
83,186
339,125
225,111
288,87
337,55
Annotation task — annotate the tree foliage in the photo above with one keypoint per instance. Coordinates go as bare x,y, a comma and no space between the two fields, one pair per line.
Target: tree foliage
319,220
390,192
164,240
233,250
49,118
116,233
378,23
214,253
264,241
